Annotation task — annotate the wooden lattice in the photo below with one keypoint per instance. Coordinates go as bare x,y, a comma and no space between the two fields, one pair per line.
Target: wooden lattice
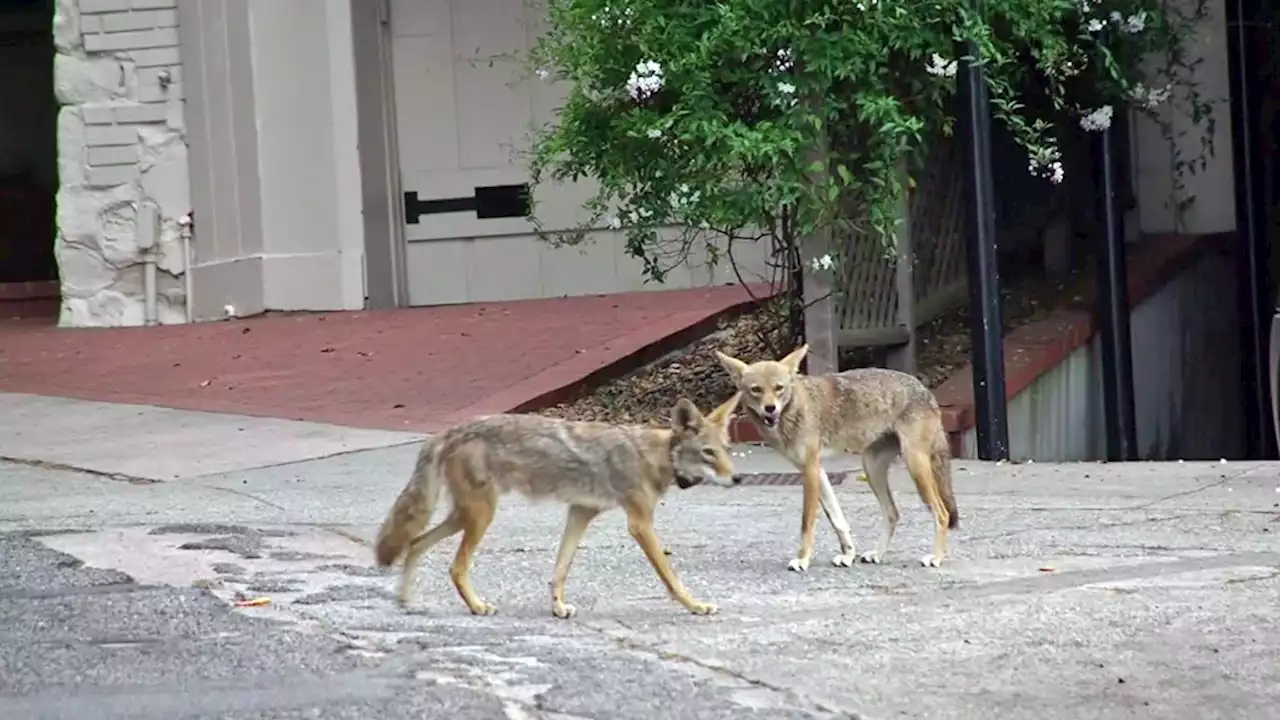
871,313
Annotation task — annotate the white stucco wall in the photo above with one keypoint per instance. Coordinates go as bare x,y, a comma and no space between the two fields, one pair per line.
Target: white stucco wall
1213,186
121,146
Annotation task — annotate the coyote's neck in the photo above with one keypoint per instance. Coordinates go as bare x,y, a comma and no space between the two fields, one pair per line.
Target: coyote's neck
656,445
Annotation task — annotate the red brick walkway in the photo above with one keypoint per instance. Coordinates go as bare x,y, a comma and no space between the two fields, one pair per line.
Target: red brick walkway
414,369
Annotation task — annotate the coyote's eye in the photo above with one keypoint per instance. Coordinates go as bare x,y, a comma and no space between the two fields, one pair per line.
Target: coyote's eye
778,388
756,389
708,453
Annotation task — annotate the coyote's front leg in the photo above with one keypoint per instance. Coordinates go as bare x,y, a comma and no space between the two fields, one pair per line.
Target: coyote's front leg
640,523
809,513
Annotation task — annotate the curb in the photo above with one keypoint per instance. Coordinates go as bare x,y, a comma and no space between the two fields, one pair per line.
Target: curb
602,365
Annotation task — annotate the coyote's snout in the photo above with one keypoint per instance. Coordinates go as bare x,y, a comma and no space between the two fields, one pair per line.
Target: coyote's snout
591,467
878,413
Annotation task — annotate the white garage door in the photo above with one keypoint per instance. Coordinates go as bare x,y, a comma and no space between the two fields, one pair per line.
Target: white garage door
460,114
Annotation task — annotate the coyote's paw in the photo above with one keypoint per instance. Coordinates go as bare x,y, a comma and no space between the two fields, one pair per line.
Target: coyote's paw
484,608
931,560
798,565
704,609
871,556
564,611
845,559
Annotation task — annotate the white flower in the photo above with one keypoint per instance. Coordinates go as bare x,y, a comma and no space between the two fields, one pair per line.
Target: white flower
782,62
1149,97
542,74
654,133
229,311
615,223
645,80
826,262
610,17
1047,163
1097,120
1135,23
1085,5
941,66
635,216
865,5
786,88
683,197
1095,25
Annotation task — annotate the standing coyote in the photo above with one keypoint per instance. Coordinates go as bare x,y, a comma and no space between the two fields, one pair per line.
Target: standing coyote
591,467
876,412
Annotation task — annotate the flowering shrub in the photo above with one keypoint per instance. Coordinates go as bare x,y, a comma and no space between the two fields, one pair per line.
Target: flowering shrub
769,119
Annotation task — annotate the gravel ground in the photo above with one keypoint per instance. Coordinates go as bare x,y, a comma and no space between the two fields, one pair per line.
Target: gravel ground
646,395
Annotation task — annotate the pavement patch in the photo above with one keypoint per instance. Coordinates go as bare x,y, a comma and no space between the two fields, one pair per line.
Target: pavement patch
247,547
345,593
219,529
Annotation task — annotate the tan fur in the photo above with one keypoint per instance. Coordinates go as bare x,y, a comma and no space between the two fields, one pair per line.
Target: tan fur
875,412
591,467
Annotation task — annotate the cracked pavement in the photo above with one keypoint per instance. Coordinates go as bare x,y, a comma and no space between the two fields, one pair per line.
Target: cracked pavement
1078,590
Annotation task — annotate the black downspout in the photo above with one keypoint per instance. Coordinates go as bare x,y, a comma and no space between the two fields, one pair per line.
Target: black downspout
985,328
1113,311
1251,238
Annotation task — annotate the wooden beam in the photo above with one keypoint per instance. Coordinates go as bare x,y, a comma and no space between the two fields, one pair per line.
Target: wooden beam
905,357
821,322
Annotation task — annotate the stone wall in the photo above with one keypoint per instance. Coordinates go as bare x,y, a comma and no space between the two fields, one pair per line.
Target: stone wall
121,146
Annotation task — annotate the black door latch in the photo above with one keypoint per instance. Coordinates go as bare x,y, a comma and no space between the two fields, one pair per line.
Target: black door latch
494,201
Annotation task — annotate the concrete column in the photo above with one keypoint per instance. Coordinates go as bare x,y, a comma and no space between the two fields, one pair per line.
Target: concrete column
278,201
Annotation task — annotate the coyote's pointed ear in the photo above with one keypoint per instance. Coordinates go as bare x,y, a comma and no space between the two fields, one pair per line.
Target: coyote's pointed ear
732,365
793,358
685,417
723,414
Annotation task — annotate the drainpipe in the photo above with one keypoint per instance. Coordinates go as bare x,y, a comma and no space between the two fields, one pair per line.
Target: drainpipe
185,227
148,234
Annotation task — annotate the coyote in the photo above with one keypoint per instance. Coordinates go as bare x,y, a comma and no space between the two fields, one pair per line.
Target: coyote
876,412
591,467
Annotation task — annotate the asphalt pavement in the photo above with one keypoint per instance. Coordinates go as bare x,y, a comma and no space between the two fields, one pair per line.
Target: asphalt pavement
1081,590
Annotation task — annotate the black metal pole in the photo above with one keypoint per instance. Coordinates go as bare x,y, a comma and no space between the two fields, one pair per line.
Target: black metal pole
985,328
1113,312
1252,243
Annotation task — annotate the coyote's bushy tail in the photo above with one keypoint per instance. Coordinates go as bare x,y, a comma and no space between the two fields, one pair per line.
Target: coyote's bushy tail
412,510
940,459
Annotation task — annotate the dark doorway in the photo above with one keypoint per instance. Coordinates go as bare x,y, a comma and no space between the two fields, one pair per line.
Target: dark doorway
28,149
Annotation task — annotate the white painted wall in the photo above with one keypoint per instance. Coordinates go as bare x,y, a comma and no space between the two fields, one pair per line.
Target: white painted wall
462,116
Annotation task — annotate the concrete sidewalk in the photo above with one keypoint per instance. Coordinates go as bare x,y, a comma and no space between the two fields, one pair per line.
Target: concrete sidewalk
1088,590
